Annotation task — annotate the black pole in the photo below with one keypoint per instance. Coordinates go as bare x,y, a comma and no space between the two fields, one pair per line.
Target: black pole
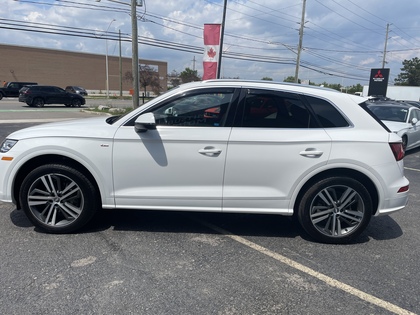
222,33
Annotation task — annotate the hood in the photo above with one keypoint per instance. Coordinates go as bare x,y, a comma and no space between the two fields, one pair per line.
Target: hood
395,126
95,127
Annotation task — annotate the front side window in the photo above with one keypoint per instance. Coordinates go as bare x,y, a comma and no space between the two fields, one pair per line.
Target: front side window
199,109
415,113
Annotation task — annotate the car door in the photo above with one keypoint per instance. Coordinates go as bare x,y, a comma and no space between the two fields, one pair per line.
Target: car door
14,89
49,94
179,165
59,96
269,155
414,129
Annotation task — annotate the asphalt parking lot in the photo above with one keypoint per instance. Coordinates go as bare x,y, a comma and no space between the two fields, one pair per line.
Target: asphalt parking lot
145,262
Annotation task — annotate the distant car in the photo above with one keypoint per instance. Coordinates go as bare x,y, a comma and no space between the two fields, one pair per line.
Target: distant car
401,118
11,89
76,89
316,154
414,103
38,95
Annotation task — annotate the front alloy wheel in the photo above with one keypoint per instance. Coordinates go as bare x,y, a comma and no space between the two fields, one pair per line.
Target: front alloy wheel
335,210
58,198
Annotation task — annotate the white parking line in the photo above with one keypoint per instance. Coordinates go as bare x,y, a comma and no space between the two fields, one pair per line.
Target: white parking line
29,121
412,169
328,280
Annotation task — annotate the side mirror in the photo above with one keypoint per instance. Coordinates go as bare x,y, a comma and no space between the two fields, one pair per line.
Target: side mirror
414,121
145,122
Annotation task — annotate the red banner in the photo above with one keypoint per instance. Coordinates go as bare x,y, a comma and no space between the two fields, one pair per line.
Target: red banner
211,50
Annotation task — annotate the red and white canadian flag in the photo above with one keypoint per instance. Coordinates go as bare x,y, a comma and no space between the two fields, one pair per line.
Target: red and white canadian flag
211,50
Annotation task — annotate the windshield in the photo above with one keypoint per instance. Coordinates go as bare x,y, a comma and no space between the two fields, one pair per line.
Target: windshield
390,113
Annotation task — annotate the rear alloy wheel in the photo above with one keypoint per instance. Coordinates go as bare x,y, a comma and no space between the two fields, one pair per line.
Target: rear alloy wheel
38,102
58,199
335,210
76,102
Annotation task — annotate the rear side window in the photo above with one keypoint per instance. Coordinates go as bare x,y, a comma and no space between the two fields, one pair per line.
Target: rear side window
272,109
326,113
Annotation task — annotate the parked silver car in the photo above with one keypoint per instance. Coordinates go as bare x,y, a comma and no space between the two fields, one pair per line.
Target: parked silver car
401,118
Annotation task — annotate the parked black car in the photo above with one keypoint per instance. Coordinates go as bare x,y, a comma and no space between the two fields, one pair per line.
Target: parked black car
11,89
76,89
38,95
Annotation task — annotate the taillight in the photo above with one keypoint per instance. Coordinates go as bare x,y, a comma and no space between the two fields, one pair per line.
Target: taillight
398,150
403,189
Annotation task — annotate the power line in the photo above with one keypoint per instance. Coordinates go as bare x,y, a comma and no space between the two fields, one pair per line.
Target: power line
231,54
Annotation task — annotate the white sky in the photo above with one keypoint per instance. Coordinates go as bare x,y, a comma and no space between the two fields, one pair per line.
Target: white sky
343,39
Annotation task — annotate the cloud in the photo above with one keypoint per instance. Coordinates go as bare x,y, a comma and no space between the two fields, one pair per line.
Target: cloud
340,40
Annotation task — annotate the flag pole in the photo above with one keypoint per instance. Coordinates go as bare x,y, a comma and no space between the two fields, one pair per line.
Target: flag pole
222,33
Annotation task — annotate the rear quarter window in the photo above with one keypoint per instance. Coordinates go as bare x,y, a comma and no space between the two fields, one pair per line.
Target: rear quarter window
326,113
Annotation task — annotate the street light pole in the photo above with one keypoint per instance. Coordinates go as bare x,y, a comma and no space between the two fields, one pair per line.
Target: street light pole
106,60
135,48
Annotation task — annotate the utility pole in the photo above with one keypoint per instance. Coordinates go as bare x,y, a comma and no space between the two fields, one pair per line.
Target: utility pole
120,61
193,63
302,24
135,57
386,42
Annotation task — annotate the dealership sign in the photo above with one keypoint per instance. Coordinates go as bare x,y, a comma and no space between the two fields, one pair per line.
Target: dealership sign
378,82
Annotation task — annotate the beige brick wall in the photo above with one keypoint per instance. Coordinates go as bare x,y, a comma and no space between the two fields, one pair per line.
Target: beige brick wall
62,68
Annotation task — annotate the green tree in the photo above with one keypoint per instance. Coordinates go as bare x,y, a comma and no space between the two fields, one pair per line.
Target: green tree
174,79
410,74
335,86
149,77
189,75
267,79
355,88
291,79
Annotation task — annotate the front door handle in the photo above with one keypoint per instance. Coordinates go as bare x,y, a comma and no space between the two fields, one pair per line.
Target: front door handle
211,151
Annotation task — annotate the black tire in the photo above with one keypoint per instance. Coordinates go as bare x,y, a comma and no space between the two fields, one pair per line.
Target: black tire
58,199
76,102
335,210
1,96
404,142
38,102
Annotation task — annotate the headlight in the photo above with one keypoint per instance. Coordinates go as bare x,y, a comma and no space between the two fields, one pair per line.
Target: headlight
7,145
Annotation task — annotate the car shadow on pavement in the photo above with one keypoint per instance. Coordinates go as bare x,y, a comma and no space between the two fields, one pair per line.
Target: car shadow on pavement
412,151
260,225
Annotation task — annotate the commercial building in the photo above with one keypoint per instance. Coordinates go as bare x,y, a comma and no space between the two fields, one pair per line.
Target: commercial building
62,68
